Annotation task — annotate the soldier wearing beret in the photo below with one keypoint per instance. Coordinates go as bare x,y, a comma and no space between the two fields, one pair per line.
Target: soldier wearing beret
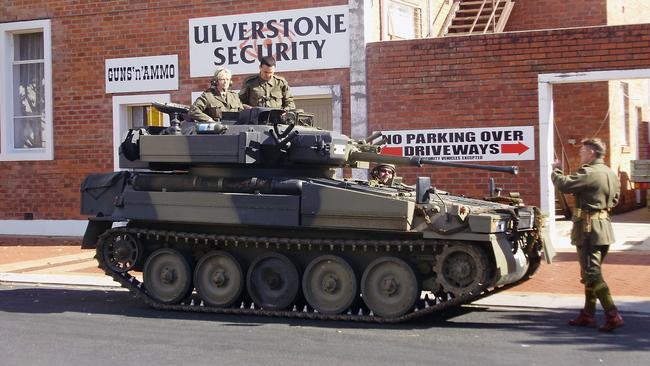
596,189
216,99
267,89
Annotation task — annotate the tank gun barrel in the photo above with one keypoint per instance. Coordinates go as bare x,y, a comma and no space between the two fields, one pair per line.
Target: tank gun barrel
419,161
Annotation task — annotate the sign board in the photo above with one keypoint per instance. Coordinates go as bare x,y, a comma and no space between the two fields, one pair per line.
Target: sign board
464,144
300,39
136,74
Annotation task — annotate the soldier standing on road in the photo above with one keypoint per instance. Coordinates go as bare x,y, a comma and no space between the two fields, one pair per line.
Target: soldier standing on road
216,99
267,89
596,189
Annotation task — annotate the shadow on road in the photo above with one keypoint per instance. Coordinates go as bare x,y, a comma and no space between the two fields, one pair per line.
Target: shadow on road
548,327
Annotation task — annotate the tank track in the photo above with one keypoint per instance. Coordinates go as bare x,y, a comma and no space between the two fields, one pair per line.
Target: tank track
425,306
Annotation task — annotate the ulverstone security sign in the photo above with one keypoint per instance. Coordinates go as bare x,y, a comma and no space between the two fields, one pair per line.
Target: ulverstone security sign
136,74
462,144
300,39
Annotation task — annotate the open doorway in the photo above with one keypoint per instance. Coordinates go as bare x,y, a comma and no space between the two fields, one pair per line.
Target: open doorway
601,104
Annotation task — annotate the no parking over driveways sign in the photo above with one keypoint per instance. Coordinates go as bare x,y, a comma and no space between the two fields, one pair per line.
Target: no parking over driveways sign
461,144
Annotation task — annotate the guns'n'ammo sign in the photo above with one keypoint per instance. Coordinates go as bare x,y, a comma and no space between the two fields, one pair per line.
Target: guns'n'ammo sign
484,144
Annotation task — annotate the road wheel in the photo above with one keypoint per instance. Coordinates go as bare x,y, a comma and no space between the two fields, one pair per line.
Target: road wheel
218,279
329,284
167,276
273,281
389,287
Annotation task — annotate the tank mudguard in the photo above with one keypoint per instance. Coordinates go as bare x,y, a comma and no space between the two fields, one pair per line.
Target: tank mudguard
95,228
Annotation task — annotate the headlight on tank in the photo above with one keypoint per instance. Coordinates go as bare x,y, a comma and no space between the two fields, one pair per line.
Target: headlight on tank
489,223
500,226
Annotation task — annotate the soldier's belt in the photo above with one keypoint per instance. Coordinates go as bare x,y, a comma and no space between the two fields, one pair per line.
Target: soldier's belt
585,217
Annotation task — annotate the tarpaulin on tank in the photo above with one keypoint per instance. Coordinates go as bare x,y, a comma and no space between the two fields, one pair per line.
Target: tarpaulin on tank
98,192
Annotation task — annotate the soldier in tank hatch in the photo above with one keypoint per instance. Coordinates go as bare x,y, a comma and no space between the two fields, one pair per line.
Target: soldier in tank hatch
216,99
267,89
382,175
596,189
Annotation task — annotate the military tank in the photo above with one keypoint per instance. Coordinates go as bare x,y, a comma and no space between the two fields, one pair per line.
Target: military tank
246,216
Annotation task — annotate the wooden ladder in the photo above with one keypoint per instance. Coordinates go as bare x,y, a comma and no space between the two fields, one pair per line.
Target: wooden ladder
477,17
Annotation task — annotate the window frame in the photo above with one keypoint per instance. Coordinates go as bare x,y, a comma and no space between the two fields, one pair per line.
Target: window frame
121,104
7,150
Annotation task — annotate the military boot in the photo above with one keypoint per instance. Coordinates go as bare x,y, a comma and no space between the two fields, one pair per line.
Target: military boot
584,320
613,320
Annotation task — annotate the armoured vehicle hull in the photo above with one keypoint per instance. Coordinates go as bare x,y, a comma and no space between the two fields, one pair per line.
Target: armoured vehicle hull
252,221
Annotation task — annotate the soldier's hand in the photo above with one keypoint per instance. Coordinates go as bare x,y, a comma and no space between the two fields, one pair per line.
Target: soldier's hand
556,165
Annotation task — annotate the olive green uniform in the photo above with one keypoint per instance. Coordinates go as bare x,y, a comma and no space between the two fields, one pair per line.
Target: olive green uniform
211,103
274,93
596,189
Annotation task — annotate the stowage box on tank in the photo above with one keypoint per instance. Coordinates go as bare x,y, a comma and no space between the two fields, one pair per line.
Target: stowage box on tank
245,216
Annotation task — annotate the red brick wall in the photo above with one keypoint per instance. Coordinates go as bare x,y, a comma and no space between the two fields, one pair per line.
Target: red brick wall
86,33
487,80
551,14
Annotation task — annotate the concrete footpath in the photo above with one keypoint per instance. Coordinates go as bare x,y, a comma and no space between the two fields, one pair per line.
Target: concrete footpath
60,261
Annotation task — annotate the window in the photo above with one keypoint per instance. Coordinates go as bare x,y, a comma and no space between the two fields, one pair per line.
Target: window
26,97
135,111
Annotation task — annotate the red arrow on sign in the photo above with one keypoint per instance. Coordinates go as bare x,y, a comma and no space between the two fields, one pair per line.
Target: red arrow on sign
392,150
517,148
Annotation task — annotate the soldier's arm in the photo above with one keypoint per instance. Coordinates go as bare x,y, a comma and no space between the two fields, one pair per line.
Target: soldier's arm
287,97
573,183
196,111
244,95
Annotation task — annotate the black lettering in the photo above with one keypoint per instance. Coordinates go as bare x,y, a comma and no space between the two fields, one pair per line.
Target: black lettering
410,137
419,150
232,56
409,151
215,36
197,36
338,23
273,30
281,51
122,74
497,135
155,70
305,20
460,149
324,24
110,73
507,136
319,48
485,136
518,136
129,73
221,59
419,139
285,26
244,56
494,148
230,32
256,30
242,30
138,74
471,137
145,72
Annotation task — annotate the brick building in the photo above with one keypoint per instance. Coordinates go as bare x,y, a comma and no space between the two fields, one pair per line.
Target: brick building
562,72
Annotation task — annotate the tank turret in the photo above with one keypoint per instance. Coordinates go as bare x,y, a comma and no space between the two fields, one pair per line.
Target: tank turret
245,215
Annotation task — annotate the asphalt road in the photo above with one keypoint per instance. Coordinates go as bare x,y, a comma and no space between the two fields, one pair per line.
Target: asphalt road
61,326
